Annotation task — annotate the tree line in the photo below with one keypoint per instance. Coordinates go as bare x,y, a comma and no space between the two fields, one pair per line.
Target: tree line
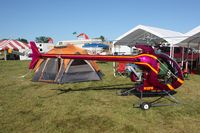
45,39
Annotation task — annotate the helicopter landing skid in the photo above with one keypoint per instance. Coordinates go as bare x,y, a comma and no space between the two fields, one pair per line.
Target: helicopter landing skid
157,102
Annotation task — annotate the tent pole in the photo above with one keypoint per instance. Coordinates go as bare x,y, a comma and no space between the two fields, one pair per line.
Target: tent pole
186,65
170,52
5,55
198,53
114,63
198,64
182,60
191,67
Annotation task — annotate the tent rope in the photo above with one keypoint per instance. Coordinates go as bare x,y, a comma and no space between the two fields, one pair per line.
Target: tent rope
23,76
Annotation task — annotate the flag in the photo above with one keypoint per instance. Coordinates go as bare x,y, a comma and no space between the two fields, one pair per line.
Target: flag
50,40
74,33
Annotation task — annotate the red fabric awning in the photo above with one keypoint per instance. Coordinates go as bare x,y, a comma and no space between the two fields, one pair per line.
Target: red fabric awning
13,44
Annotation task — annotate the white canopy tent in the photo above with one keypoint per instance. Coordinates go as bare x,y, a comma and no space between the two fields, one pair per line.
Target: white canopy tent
147,34
192,38
153,36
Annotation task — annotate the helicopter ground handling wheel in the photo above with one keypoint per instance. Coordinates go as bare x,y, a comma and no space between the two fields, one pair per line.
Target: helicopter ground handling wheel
145,106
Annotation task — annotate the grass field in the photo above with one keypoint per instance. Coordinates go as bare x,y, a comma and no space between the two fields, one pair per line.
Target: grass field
27,106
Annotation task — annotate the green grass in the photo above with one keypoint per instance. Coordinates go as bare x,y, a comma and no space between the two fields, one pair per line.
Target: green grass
27,106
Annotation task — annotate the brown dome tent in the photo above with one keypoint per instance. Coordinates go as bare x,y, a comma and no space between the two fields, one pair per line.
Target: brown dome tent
58,70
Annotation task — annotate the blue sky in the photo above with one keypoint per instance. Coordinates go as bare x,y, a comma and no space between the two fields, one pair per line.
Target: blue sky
110,18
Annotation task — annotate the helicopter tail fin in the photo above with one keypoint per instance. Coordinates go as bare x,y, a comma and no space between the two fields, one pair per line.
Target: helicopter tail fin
35,55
